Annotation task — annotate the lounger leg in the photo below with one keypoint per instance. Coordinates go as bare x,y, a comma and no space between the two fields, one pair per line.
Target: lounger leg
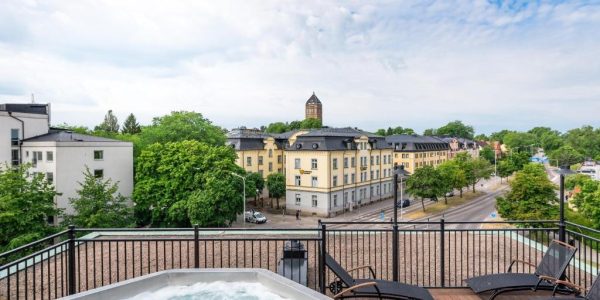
496,292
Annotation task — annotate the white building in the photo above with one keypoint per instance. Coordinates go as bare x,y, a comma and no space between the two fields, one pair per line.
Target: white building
60,155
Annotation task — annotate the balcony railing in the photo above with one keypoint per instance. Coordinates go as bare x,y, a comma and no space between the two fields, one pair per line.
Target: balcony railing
429,254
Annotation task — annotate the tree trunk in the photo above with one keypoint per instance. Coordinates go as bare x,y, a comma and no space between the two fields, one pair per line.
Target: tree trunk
445,199
272,202
423,203
277,203
474,187
461,192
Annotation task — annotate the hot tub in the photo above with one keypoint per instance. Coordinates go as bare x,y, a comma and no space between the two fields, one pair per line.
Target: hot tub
204,283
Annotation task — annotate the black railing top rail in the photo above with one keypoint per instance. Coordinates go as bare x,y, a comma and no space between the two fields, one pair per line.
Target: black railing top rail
191,229
579,234
582,227
32,255
438,222
33,244
192,239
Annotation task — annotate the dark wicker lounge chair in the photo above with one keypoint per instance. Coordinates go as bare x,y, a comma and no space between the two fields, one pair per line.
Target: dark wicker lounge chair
370,287
550,269
592,294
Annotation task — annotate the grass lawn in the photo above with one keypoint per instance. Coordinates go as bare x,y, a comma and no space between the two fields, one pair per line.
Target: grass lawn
440,206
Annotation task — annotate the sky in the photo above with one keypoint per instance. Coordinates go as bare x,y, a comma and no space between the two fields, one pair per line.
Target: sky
373,64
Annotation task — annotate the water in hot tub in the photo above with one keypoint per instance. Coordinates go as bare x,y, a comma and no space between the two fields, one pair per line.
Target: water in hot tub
217,290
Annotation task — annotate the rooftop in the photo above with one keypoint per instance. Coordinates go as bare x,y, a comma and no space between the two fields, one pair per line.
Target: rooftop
68,136
313,99
30,108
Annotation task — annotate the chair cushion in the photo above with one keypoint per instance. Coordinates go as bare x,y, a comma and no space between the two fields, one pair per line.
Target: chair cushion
505,281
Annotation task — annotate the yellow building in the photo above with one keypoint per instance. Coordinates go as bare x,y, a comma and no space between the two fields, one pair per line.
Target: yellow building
260,152
413,151
331,170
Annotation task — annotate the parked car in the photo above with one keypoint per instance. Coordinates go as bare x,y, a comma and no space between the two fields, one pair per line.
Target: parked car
405,203
255,217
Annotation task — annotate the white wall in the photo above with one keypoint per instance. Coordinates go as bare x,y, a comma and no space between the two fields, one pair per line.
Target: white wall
71,158
34,125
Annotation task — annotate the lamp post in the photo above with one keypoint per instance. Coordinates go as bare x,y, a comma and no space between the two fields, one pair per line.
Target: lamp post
399,172
243,199
563,171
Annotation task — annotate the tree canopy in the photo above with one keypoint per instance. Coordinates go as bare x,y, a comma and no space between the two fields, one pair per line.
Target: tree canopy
175,179
280,127
182,126
110,123
566,156
452,177
26,204
456,129
131,126
425,182
532,196
587,201
395,130
276,186
99,205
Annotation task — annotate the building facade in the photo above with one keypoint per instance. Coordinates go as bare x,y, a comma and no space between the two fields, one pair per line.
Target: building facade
413,151
314,108
61,156
458,145
332,170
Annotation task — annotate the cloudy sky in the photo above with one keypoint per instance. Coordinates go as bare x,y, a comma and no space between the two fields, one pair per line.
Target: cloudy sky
373,64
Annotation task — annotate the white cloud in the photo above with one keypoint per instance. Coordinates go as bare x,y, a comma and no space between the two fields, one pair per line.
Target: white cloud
412,64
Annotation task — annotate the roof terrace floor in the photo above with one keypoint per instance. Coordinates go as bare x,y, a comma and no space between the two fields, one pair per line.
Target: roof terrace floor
467,294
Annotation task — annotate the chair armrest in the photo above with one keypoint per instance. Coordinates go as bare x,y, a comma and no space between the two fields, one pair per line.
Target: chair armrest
362,285
364,267
577,288
549,278
519,261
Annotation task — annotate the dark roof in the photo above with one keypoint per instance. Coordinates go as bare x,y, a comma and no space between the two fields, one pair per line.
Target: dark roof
329,139
313,99
246,139
247,133
68,136
462,142
30,108
416,143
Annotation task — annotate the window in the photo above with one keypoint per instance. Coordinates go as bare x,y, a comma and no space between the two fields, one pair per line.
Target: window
270,167
371,192
99,173
335,201
14,157
248,161
297,163
372,175
279,159
49,156
314,181
313,163
345,162
376,159
14,137
37,156
270,152
353,196
345,178
298,199
353,162
372,160
314,201
385,159
389,158
98,154
377,190
335,180
260,160
353,177
377,173
334,163
298,181
50,177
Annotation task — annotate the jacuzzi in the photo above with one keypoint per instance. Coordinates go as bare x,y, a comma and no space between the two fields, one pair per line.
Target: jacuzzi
202,283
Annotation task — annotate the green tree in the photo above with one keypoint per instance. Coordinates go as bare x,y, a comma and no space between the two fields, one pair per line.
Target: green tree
587,201
456,129
381,132
566,156
99,205
110,123
74,128
481,137
311,124
276,186
586,140
426,182
518,160
168,174
131,126
532,196
452,177
499,136
217,204
255,182
277,127
26,204
505,168
520,141
429,132
396,130
475,168
488,153
574,180
182,126
547,138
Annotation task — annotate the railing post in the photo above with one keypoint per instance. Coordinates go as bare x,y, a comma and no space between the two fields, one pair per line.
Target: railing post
561,206
322,269
443,252
71,259
395,252
196,247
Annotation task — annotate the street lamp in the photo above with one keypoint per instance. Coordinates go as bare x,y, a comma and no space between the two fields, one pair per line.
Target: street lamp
399,172
243,199
563,171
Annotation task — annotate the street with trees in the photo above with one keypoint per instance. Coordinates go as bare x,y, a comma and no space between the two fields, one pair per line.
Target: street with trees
426,182
452,177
